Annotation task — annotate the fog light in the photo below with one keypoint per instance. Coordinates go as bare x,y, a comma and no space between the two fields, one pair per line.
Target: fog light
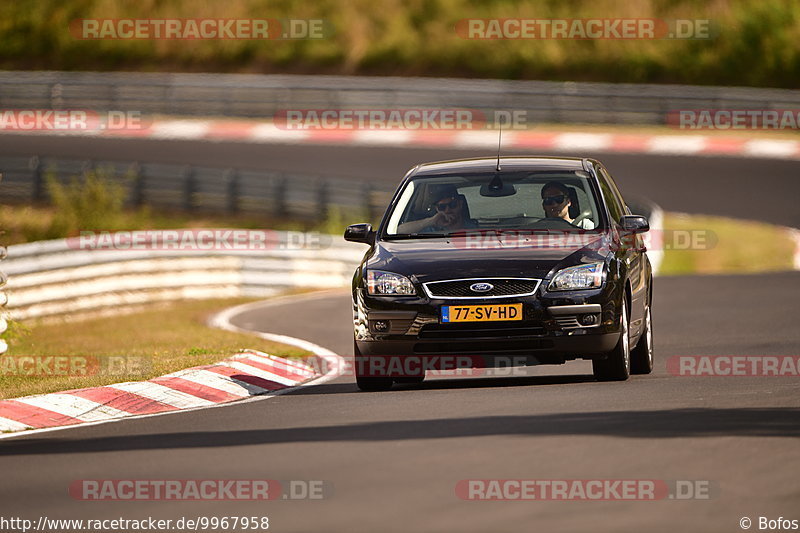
381,326
589,320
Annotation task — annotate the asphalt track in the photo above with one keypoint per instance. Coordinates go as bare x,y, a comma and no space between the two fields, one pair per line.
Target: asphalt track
393,459
759,189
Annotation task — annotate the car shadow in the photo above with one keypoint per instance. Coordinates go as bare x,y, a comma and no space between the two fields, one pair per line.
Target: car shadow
443,383
660,424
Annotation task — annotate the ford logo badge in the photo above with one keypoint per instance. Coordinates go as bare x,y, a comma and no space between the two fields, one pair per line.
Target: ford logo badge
481,287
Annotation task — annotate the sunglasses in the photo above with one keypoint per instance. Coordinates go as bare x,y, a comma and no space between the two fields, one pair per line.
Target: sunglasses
452,204
554,200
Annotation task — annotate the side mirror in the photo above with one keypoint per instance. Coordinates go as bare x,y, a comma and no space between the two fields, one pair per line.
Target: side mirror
634,223
360,233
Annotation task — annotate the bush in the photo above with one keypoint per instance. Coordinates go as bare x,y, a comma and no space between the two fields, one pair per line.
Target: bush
756,42
92,202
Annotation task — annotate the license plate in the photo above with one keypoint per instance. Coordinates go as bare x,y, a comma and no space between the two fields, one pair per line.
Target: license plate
481,313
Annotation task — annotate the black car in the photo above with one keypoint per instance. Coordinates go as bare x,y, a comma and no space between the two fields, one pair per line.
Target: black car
505,261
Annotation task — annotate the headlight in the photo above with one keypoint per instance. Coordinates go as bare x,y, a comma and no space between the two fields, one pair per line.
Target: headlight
590,276
387,283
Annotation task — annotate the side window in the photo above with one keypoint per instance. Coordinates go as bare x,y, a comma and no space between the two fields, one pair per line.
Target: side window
616,207
613,184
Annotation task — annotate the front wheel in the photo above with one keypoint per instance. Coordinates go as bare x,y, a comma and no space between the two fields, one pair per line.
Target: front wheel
410,379
365,381
373,384
617,364
642,355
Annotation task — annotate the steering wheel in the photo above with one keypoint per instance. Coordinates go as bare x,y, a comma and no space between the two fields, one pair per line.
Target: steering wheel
551,223
580,218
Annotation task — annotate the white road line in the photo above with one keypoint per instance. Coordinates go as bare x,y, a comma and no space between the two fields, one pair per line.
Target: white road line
583,141
73,406
383,137
303,370
772,148
334,363
160,393
7,424
482,139
675,144
263,374
268,132
180,129
218,382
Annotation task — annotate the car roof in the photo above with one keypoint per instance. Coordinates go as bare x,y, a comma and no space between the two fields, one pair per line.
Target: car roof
489,164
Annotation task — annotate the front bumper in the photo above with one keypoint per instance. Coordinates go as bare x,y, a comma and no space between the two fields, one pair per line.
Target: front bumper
551,331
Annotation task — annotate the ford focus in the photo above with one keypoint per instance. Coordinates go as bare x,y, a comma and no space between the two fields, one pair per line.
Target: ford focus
505,262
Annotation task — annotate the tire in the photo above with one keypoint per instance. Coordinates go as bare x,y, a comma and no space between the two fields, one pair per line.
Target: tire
410,379
642,354
369,383
617,364
373,384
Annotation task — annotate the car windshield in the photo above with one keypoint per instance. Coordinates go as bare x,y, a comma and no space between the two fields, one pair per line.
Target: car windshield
442,205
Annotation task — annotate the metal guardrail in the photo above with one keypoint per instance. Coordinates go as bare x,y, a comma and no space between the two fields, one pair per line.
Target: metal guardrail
55,277
252,95
195,188
3,297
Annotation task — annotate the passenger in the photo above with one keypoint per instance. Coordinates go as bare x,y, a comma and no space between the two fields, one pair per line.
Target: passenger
451,214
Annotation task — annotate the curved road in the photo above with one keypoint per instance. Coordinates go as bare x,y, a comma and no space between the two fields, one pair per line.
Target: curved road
760,189
393,459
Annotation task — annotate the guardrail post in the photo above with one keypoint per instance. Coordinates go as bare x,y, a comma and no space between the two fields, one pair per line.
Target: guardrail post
3,297
189,187
368,207
280,207
322,199
87,167
56,96
138,184
232,181
37,179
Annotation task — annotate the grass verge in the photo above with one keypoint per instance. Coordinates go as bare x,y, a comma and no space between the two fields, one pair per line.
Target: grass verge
171,337
26,223
702,244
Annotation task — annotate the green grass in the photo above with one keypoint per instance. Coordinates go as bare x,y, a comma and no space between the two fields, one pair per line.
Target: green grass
167,337
728,246
756,43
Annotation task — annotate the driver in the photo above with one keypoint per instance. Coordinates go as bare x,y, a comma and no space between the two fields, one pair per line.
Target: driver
556,203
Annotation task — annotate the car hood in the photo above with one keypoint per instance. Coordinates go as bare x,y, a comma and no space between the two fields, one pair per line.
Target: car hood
452,258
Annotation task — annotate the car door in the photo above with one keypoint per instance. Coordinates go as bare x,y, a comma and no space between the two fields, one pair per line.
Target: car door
632,255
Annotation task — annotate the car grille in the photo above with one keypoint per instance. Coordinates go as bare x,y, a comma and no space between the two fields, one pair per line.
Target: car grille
568,321
480,331
501,287
507,346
